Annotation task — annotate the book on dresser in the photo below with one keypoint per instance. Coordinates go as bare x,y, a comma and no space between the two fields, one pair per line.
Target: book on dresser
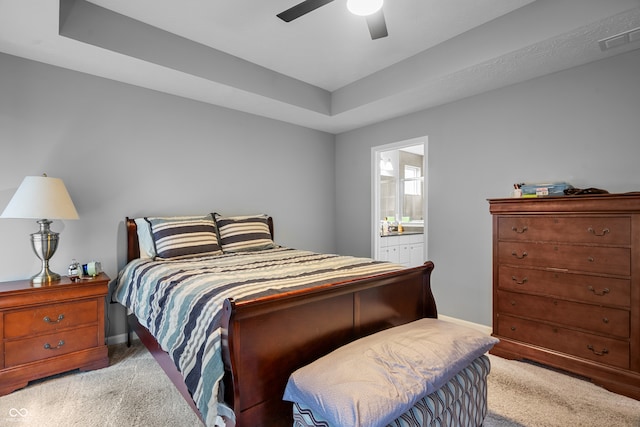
566,285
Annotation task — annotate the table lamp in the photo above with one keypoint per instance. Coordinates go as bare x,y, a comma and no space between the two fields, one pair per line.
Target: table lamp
42,198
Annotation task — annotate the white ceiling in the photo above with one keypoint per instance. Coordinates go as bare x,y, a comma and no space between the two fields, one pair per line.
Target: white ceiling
322,70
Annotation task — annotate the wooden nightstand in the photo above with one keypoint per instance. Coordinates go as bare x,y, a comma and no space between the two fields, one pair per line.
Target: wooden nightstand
51,329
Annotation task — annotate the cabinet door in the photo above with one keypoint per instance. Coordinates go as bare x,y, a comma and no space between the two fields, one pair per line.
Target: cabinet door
394,254
411,254
404,254
383,253
414,248
388,249
417,254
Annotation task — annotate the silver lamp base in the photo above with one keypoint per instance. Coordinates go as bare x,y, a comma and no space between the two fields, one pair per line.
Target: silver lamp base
45,243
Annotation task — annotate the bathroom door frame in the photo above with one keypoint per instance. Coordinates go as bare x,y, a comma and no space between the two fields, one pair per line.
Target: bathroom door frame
375,190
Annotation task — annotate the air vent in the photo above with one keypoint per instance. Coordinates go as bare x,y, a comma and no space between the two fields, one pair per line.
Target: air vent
620,39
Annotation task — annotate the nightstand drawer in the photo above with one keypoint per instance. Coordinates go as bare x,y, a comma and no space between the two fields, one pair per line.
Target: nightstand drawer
39,320
55,344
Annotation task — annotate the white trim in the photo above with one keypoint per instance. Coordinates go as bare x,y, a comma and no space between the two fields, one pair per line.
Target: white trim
375,199
482,328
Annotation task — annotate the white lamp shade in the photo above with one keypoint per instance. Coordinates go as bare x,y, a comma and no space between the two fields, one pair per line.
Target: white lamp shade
41,197
364,7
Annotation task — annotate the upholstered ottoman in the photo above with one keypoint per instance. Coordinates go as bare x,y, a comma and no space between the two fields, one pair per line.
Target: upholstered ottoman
426,373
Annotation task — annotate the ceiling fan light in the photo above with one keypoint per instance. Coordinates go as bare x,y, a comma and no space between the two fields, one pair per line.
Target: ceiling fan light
364,7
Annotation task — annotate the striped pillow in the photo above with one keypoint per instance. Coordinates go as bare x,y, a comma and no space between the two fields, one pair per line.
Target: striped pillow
184,237
244,233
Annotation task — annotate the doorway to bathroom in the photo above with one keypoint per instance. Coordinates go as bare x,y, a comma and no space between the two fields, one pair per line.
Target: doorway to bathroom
399,202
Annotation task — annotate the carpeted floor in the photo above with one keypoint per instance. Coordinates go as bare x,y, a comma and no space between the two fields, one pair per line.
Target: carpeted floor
134,391
525,394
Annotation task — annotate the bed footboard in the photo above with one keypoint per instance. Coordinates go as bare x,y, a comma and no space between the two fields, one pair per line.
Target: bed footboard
266,339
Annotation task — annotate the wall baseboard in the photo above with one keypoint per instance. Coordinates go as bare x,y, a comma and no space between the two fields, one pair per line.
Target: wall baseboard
482,328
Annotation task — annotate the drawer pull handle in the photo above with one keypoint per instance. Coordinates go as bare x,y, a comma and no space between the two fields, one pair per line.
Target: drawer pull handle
47,346
47,319
513,328
519,231
592,231
597,353
604,291
605,320
520,282
524,254
590,259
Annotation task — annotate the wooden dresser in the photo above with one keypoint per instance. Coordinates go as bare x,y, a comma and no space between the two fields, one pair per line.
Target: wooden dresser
50,329
566,285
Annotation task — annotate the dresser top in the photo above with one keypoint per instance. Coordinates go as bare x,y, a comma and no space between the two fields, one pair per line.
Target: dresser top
593,203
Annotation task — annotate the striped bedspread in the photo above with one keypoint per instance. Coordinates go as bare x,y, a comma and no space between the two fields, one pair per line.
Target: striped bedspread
180,302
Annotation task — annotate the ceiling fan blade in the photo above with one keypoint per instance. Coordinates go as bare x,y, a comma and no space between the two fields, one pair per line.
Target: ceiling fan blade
377,25
301,9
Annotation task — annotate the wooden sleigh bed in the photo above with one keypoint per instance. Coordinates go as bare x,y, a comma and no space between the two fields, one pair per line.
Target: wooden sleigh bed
265,339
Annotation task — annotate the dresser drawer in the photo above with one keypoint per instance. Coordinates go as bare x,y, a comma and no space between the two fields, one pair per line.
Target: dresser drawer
49,318
594,259
41,347
579,287
587,346
588,317
605,230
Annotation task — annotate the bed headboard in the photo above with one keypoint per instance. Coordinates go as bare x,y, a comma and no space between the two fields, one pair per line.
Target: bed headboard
133,246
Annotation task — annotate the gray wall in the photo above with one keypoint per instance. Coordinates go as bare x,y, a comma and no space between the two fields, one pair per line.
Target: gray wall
126,151
581,125
123,150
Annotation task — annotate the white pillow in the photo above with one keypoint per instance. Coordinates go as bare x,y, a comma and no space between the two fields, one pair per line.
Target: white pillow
372,381
145,239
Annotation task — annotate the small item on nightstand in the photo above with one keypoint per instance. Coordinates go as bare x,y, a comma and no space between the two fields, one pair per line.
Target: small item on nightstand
74,270
91,269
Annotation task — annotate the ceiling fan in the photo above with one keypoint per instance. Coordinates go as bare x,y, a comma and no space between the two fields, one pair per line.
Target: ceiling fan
371,10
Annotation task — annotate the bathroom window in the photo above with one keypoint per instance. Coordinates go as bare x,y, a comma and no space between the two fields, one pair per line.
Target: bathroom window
412,180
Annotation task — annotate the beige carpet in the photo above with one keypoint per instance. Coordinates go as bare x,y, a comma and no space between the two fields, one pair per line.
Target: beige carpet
134,391
524,394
